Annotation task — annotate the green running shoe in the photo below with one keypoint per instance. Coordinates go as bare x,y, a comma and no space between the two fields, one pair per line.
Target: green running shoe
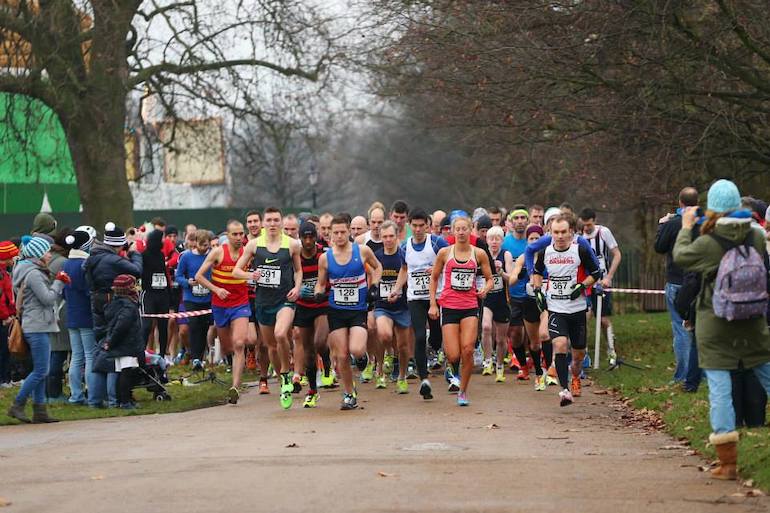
402,386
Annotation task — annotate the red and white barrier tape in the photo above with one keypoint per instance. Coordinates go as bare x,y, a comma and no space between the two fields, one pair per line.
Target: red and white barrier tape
636,291
178,315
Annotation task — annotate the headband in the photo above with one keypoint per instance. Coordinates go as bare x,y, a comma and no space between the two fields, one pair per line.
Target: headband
518,212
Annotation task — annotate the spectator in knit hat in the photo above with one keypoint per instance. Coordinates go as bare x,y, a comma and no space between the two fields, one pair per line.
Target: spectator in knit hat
44,225
8,252
124,335
37,297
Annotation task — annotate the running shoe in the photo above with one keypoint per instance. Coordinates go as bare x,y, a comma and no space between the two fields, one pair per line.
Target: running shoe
500,374
435,364
394,372
507,359
296,383
565,398
575,386
251,359
286,399
381,382
489,368
368,373
612,358
387,364
425,390
523,374
402,386
551,381
454,385
304,381
411,370
514,364
328,381
233,395
263,388
349,402
539,383
462,399
440,357
362,363
448,374
311,400
587,361
478,356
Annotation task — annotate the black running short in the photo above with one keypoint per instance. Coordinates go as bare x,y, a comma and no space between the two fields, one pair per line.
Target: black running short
453,316
305,317
496,303
530,311
339,319
517,311
572,326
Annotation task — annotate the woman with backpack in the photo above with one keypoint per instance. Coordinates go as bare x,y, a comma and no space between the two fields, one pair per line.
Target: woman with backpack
731,330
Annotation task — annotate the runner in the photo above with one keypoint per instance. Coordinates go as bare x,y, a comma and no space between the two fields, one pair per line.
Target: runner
565,299
391,312
535,321
420,252
195,296
357,226
372,237
229,301
436,220
325,228
348,300
256,350
496,216
311,315
516,243
278,274
399,212
291,226
536,213
608,253
496,317
459,299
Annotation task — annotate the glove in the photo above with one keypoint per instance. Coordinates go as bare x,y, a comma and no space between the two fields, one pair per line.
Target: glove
306,292
63,277
374,293
576,291
540,300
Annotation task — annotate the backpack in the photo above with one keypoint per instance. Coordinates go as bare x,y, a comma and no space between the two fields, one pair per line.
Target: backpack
740,287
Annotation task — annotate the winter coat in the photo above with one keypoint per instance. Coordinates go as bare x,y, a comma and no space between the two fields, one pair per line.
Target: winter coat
104,264
39,298
124,328
61,340
722,344
7,301
77,294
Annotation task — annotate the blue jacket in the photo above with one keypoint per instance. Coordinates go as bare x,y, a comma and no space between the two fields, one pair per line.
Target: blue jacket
103,265
77,294
189,263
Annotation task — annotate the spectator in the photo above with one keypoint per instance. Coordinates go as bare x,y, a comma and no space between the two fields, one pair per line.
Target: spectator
123,337
669,227
8,251
103,265
79,319
723,345
44,225
37,299
60,341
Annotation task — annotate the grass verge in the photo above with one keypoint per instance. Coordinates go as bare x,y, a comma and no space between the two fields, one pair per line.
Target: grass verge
645,340
184,398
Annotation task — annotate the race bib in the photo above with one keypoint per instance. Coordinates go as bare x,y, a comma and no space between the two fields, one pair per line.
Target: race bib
386,287
199,290
419,283
498,283
559,287
159,281
308,287
346,293
461,280
269,277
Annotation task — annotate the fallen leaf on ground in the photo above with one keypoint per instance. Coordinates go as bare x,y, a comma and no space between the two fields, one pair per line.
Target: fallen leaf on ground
385,474
670,447
688,428
591,453
749,483
292,446
492,426
97,478
4,502
754,492
600,392
552,438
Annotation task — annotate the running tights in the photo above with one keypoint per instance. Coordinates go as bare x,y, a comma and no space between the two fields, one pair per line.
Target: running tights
418,311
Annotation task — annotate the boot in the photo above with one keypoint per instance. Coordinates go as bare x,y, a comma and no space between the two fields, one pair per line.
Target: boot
726,445
17,412
40,415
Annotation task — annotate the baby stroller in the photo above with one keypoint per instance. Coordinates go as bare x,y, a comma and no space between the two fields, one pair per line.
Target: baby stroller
153,377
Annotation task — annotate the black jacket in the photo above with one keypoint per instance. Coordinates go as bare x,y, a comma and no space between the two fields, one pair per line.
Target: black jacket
664,244
103,265
124,328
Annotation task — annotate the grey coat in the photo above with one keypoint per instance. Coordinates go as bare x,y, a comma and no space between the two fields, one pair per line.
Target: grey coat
39,298
61,340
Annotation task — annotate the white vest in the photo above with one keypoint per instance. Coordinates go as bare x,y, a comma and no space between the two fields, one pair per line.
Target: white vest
562,267
417,263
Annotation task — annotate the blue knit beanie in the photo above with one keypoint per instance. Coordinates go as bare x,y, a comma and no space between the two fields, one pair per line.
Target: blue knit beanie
34,247
723,197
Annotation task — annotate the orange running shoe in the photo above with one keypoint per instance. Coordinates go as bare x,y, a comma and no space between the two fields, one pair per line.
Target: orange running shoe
251,359
523,374
575,386
263,388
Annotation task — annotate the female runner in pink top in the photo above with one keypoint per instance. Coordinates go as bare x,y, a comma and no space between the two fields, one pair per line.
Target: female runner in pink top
456,266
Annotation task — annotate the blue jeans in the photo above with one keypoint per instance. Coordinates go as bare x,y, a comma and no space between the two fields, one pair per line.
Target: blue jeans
694,372
83,344
682,337
34,384
105,387
722,412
